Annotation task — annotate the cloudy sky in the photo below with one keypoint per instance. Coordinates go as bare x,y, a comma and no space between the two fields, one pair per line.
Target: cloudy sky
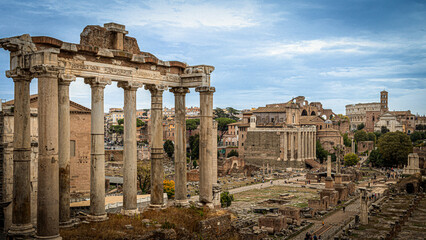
336,52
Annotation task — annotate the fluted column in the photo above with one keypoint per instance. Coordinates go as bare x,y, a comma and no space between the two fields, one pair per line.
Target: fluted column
97,156
309,144
206,144
48,166
130,205
64,149
21,204
299,145
285,149
291,145
315,145
157,171
303,143
180,146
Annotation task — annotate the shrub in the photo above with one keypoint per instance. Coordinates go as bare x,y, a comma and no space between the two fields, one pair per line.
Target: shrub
226,199
169,188
351,159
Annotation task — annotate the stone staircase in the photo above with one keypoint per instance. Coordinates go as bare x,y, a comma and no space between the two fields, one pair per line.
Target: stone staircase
314,164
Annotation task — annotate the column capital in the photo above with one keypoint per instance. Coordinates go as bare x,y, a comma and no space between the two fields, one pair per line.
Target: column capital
132,86
66,79
46,71
19,74
179,90
97,81
155,89
205,89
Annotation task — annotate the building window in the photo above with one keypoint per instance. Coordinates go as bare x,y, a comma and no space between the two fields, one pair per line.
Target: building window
72,148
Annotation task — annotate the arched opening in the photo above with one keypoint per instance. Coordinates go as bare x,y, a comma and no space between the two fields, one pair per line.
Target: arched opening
313,113
331,117
409,188
235,166
304,112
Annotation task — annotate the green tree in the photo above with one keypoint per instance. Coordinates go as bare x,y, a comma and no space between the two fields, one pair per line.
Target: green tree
416,136
194,146
371,137
120,121
222,126
346,140
226,199
140,123
378,135
233,113
232,153
220,113
376,158
192,124
321,152
195,164
360,135
360,126
395,147
144,177
384,130
351,159
169,148
117,129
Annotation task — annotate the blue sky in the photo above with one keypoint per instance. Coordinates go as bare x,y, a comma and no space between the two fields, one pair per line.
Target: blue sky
336,52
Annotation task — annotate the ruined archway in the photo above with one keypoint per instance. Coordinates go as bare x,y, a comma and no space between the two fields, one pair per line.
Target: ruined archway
304,112
313,113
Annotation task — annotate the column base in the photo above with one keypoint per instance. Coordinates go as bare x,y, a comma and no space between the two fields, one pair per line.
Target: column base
21,230
69,224
182,203
99,218
156,206
54,237
129,212
209,205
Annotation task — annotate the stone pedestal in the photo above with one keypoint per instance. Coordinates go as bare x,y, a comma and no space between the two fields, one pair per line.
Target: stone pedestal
21,204
64,150
157,171
48,166
130,205
206,144
97,161
413,164
180,146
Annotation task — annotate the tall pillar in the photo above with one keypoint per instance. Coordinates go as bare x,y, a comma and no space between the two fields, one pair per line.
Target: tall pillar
180,146
285,149
97,156
130,190
310,144
157,171
353,146
48,166
21,203
206,144
328,165
299,145
306,145
64,149
364,207
214,163
314,145
291,145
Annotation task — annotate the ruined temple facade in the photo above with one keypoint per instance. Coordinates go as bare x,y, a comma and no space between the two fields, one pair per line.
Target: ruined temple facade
104,54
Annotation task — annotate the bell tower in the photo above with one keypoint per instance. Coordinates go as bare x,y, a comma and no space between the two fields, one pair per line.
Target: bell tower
384,101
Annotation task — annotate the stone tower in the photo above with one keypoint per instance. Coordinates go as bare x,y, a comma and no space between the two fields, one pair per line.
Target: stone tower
384,101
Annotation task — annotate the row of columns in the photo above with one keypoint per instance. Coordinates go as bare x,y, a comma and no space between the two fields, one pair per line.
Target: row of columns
53,202
306,145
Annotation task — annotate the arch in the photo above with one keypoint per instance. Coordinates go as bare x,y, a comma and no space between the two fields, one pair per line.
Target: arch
409,188
304,112
313,113
331,117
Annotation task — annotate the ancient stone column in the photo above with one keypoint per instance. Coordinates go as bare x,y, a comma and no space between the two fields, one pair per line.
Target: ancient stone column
299,145
130,190
48,165
97,156
21,204
314,150
285,149
328,165
64,149
364,207
306,145
353,146
180,146
214,163
206,144
291,145
157,171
